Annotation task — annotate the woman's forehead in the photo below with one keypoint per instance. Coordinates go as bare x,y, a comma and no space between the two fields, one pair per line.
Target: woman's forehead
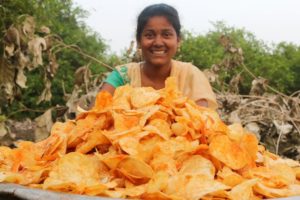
158,22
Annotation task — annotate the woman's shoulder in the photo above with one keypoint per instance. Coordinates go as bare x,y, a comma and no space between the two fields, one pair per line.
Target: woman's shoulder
124,68
187,67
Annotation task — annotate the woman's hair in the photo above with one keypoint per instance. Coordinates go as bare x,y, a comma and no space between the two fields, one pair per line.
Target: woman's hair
157,10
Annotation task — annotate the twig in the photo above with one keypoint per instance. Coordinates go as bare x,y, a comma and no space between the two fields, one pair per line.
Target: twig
271,88
78,50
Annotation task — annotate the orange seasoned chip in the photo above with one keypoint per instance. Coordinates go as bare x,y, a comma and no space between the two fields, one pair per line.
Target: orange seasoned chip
179,129
188,187
103,100
197,165
121,98
142,97
229,152
297,172
94,139
124,122
229,177
243,191
135,170
73,171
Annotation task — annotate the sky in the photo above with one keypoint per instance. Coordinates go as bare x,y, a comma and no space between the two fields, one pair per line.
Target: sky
272,21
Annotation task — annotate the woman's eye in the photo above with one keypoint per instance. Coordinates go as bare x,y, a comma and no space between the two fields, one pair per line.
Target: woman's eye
149,35
167,34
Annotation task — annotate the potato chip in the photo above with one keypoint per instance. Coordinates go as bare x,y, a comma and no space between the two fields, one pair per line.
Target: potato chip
164,163
229,177
179,129
278,175
230,153
121,98
94,139
142,97
270,192
130,145
149,112
158,182
135,170
243,191
197,165
297,172
236,132
124,122
75,172
162,126
103,100
193,188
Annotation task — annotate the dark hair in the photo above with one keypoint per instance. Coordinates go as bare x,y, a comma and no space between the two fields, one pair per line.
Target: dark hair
157,10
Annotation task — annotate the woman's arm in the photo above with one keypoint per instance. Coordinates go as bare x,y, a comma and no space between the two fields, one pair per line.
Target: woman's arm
108,87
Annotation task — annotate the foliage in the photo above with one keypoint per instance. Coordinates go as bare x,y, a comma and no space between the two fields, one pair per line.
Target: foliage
63,20
279,64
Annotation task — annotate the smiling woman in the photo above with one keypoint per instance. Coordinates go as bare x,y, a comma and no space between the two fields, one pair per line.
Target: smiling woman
158,37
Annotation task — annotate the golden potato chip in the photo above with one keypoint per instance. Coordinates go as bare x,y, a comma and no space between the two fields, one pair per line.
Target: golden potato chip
160,115
278,175
76,172
162,126
236,132
83,126
179,129
230,153
135,170
112,161
188,188
156,130
164,163
270,192
121,98
103,100
158,182
229,177
142,97
149,111
243,191
124,122
197,165
249,143
297,172
130,145
94,139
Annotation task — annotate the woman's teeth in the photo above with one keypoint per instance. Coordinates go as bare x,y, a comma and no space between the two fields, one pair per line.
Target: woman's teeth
158,52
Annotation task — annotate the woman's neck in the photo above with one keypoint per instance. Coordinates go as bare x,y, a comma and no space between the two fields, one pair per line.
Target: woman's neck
158,73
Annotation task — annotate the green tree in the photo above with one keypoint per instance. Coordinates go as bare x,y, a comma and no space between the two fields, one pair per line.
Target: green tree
66,21
278,63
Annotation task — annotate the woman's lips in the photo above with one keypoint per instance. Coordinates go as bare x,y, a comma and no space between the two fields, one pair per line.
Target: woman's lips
159,52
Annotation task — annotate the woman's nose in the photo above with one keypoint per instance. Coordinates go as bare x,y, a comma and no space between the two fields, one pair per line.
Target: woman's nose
158,40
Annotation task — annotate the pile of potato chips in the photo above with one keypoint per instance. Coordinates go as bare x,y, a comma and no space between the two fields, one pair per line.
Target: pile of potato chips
149,144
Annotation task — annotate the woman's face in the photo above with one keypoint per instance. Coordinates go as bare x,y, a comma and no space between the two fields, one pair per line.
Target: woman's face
159,41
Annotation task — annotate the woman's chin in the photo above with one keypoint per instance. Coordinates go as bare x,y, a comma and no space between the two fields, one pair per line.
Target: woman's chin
159,62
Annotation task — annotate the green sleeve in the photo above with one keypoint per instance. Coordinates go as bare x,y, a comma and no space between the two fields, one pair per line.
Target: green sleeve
114,79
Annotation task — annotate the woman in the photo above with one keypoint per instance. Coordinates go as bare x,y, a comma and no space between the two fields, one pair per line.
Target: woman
158,37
